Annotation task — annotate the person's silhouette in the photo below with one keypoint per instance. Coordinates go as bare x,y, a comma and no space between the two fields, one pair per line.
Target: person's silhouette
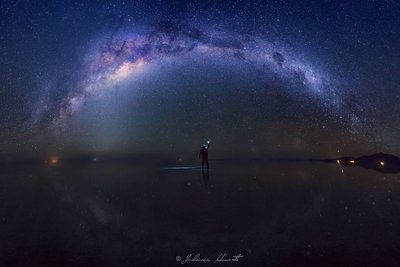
204,154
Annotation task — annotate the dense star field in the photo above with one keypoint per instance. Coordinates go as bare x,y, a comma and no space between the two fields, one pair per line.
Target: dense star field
157,79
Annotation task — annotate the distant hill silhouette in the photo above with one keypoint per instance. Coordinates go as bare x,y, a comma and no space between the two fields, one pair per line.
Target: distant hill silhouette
381,162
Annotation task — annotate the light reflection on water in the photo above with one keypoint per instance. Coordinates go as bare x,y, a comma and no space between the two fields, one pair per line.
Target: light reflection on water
132,214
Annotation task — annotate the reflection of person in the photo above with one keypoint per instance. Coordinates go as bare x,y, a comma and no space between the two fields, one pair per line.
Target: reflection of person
204,154
206,176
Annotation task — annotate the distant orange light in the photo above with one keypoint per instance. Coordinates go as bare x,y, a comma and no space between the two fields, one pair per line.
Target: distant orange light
382,163
54,161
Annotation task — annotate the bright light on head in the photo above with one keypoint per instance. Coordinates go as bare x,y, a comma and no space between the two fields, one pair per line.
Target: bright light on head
338,161
351,161
382,163
54,161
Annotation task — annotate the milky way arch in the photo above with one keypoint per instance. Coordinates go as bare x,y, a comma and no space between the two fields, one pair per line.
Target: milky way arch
120,55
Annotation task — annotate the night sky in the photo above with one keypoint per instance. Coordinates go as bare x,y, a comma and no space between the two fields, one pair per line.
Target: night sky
157,79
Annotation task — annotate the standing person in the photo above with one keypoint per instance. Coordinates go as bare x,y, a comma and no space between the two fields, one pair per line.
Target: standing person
204,154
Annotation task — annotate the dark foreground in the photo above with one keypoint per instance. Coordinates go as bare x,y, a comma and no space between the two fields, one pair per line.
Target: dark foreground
136,214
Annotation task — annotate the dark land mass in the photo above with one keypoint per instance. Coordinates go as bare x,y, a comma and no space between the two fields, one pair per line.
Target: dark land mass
381,162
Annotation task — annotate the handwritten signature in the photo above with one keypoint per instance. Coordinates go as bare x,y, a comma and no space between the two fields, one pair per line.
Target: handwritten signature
222,257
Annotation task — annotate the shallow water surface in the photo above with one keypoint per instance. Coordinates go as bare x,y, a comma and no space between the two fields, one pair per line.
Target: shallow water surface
150,214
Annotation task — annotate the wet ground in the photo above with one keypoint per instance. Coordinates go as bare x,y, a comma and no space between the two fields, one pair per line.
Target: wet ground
156,214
